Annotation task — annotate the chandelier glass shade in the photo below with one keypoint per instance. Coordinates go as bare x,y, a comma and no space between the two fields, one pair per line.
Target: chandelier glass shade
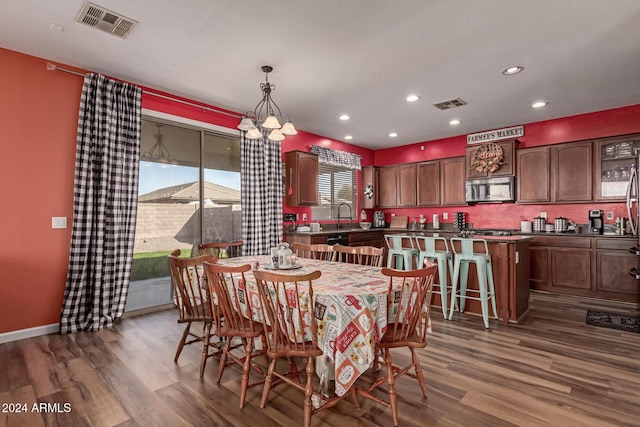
264,115
159,152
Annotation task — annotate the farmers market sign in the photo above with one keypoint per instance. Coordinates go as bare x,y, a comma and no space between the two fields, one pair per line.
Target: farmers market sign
495,135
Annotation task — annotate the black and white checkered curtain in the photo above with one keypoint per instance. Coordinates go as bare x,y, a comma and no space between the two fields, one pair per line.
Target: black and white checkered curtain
105,205
261,193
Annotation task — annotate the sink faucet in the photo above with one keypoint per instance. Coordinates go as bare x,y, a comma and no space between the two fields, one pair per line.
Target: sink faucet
350,214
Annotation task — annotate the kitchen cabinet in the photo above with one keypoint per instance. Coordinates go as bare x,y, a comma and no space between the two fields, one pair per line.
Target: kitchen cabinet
613,261
572,172
388,184
369,177
407,185
428,185
452,181
555,173
561,265
508,166
301,179
614,157
533,180
584,266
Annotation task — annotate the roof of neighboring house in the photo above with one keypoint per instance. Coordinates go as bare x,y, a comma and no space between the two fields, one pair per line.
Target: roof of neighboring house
190,192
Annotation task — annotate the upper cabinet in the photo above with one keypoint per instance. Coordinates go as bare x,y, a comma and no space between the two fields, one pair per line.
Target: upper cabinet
555,174
614,157
397,185
388,184
428,183
369,178
480,159
407,185
533,180
452,181
301,179
572,172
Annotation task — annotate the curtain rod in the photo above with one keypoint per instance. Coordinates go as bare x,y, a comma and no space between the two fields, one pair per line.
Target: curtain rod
53,67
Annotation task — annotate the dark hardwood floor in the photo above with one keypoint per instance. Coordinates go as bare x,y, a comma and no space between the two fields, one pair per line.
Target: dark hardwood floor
549,370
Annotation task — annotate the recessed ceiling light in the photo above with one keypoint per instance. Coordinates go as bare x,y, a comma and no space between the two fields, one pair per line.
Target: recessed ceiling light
393,135
512,70
412,98
538,104
454,122
348,137
344,117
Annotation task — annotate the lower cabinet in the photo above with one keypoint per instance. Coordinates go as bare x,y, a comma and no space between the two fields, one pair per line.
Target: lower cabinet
613,262
584,266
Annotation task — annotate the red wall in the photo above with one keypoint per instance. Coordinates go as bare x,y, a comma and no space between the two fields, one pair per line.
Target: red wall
38,124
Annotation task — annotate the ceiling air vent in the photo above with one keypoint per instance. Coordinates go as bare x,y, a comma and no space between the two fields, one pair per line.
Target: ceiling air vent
447,105
110,22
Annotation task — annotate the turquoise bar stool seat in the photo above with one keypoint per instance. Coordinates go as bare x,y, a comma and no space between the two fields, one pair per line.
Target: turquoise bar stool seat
401,250
444,258
464,255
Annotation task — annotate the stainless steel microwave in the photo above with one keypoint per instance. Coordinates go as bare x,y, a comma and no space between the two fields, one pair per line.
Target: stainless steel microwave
491,190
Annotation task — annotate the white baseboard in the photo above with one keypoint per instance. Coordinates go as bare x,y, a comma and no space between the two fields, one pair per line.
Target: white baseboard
29,332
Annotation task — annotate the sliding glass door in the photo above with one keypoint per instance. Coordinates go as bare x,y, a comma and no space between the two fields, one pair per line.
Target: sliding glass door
181,169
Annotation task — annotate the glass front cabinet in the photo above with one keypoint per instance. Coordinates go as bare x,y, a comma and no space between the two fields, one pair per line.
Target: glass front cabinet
614,160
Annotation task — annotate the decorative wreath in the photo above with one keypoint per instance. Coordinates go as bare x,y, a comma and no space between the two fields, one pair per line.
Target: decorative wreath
488,158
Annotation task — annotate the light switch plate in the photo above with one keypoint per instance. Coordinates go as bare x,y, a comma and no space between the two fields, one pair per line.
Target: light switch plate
445,215
609,215
304,217
59,222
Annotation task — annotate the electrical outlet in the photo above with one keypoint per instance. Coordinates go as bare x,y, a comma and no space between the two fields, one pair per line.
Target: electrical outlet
393,214
445,215
304,217
543,215
609,215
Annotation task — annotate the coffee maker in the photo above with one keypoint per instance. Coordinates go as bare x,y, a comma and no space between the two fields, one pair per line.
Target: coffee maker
378,219
596,224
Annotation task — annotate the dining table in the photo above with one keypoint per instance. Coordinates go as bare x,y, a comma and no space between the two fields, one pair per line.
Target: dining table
350,307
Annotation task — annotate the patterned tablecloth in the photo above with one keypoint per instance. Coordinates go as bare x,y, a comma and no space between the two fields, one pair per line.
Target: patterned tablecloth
350,309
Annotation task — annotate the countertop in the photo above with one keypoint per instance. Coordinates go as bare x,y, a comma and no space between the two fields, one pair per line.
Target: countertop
334,231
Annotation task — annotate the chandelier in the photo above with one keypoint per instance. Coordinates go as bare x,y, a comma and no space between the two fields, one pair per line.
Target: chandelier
264,115
159,152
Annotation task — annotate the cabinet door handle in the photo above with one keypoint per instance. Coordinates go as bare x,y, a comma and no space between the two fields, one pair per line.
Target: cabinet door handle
290,190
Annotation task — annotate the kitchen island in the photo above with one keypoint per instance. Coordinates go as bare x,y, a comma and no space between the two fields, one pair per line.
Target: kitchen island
509,255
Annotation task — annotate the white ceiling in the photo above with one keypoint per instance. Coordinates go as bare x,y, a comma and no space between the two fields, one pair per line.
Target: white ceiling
359,57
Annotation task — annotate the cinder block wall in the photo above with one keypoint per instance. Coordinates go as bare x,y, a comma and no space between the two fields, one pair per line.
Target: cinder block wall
163,226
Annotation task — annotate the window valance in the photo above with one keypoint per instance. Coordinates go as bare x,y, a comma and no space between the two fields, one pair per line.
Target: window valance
337,158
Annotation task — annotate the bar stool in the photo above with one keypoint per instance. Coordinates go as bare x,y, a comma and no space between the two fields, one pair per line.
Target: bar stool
427,250
484,269
402,256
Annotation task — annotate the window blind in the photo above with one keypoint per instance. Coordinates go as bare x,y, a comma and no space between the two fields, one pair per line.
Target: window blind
336,185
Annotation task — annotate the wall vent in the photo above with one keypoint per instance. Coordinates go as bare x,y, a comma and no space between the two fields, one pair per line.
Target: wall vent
110,22
447,105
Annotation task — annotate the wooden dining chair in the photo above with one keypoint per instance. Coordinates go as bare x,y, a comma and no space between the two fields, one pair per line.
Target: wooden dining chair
194,302
319,251
408,305
364,255
294,334
236,307
222,249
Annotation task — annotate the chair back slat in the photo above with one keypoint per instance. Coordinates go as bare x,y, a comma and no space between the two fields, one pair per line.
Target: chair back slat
287,305
409,302
222,249
319,251
234,302
364,255
193,296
